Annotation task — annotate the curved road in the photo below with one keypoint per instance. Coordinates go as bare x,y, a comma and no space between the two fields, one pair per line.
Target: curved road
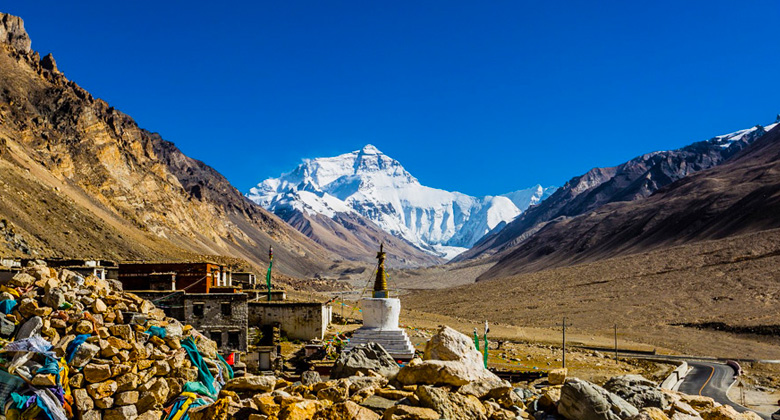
712,380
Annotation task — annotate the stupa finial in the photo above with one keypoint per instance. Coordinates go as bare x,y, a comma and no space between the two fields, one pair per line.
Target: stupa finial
380,284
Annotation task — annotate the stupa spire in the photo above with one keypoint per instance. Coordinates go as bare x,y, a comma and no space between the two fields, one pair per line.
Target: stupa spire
380,284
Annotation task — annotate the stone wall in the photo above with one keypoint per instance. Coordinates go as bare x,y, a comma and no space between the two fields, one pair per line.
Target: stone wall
204,311
299,320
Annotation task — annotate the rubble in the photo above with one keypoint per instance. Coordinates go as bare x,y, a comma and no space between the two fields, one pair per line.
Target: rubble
88,350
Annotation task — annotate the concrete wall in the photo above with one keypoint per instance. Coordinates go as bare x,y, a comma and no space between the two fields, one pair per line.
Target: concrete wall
299,320
675,378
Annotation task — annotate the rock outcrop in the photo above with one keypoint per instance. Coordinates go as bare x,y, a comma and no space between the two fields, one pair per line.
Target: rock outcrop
78,177
12,33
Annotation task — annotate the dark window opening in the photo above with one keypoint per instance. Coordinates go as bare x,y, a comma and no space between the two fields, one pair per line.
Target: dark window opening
197,309
227,309
216,336
233,339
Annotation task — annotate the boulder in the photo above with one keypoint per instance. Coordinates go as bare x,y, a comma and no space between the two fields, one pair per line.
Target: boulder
337,393
486,388
54,297
557,376
450,345
450,359
377,403
362,359
550,397
347,411
650,413
356,383
82,400
406,412
451,406
638,391
84,355
310,377
302,410
256,384
94,373
126,398
438,372
726,412
582,400
7,327
30,328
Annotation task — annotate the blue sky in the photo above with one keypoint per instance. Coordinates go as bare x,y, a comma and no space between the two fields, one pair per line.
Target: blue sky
480,98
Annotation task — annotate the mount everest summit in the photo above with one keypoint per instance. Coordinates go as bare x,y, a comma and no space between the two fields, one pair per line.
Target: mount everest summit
366,189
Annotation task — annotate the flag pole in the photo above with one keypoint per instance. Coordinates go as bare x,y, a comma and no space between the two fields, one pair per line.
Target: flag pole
268,274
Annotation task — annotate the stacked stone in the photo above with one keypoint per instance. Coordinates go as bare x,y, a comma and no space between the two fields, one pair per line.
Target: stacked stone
120,371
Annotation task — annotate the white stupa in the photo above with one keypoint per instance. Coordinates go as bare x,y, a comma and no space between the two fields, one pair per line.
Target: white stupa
380,319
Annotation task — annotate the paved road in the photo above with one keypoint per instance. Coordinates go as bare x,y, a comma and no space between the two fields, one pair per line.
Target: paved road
712,380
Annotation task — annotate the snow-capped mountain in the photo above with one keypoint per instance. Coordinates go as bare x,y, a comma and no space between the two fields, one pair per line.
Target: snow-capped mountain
374,186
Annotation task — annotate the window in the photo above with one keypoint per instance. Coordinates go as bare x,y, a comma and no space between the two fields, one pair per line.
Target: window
197,309
234,339
216,336
227,309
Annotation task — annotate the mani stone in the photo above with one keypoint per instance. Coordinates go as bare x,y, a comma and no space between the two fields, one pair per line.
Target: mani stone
83,355
30,328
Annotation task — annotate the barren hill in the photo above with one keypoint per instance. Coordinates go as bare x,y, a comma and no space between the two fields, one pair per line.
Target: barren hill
80,178
717,297
739,196
633,180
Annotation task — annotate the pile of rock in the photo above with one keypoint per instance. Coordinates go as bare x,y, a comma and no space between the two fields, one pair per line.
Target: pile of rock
628,397
76,347
449,382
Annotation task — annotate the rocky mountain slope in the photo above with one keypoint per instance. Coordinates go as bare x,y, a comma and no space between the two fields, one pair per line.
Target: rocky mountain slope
633,180
80,178
739,196
374,189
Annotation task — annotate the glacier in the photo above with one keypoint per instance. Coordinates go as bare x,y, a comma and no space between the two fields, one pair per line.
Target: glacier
369,183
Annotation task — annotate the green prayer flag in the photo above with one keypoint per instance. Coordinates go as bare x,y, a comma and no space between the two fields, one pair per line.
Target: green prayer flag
486,351
268,274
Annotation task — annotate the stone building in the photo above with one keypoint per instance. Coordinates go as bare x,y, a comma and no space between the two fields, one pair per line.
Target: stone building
298,320
223,317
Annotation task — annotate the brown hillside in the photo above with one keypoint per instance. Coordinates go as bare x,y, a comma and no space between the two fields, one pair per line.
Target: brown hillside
81,178
733,281
741,195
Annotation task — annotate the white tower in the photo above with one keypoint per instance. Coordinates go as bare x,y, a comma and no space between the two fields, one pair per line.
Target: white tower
380,319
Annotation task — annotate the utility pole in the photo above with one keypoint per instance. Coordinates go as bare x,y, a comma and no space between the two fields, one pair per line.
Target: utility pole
564,343
616,347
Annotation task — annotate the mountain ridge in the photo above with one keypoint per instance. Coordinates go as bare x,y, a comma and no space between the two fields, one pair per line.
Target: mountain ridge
635,179
369,184
738,196
81,178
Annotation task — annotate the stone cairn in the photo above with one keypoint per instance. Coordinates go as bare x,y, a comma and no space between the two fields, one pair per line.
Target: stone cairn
75,347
